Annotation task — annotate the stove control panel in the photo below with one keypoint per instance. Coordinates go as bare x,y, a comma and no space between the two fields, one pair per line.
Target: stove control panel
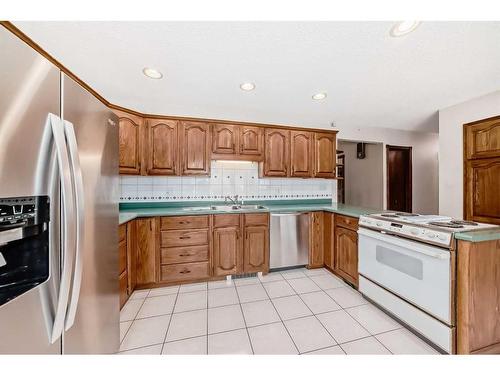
407,230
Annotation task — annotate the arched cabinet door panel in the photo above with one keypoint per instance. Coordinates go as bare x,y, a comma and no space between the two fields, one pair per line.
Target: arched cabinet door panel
301,154
194,141
325,155
224,140
130,143
277,154
162,147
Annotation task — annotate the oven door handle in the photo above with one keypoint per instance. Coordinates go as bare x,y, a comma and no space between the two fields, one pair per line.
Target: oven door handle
406,244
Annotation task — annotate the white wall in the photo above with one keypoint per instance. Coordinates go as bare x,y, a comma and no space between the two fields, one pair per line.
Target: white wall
424,156
451,120
364,182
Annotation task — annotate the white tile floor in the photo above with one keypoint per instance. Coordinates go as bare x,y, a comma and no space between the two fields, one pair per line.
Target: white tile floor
291,312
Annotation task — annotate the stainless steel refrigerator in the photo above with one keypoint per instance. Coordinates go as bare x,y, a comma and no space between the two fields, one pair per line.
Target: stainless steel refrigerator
58,210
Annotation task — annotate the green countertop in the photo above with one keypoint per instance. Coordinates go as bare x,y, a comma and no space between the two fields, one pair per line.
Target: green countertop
479,235
129,211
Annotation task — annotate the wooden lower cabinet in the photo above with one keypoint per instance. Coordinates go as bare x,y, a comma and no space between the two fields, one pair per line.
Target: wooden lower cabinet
126,261
329,240
346,249
256,244
316,258
146,239
227,251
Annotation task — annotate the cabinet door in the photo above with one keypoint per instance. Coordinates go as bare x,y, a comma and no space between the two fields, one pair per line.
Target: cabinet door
161,153
301,153
131,256
482,197
252,142
329,239
324,155
316,240
256,249
277,153
227,251
123,293
224,141
130,143
146,251
482,139
346,254
195,148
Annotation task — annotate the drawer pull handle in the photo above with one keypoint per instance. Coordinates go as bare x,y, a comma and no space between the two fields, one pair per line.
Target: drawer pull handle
185,271
185,255
184,222
185,237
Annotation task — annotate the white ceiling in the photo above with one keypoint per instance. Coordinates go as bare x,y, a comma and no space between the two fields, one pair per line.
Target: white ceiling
371,78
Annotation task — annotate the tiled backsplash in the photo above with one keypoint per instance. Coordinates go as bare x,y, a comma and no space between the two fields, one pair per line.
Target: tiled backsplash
227,178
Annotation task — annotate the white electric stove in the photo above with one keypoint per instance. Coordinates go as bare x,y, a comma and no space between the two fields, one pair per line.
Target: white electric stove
406,266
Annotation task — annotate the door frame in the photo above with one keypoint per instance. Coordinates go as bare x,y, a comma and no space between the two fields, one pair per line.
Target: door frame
409,172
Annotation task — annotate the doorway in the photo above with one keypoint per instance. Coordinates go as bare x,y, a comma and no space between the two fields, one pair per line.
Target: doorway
399,173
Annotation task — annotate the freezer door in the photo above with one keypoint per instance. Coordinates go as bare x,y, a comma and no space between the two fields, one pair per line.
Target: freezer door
29,92
92,323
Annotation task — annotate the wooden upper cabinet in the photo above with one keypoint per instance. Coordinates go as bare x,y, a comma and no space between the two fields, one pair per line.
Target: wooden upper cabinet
277,154
251,142
482,139
195,141
224,141
130,143
227,251
482,197
161,153
301,154
324,155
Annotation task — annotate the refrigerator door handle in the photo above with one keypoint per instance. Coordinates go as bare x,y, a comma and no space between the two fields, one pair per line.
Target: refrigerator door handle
68,232
80,223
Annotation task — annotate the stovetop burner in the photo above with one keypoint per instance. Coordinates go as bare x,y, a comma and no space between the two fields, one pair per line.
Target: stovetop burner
464,222
446,224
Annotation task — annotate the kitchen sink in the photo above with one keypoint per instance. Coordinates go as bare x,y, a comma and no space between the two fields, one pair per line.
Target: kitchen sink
238,207
200,208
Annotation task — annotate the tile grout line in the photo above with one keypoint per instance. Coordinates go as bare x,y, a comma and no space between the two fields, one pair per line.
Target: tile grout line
286,329
244,320
169,321
133,320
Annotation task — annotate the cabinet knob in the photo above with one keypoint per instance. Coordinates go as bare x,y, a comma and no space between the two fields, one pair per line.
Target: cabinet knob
185,271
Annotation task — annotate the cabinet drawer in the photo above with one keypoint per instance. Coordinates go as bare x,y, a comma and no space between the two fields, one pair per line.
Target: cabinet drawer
226,220
184,222
256,219
346,222
122,232
173,255
122,256
178,238
186,271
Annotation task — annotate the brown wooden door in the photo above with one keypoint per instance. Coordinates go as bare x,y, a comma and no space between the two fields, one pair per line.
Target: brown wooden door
316,240
277,153
252,142
162,151
482,139
346,254
325,158
123,290
399,176
301,154
146,263
130,143
224,141
195,148
256,249
483,190
227,251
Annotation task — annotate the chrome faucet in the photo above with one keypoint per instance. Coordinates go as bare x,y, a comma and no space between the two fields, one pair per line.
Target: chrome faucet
234,201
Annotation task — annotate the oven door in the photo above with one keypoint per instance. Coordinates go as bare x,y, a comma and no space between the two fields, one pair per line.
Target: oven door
414,271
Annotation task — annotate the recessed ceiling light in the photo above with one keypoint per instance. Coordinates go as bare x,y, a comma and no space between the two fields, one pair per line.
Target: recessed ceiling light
152,73
404,27
319,96
247,86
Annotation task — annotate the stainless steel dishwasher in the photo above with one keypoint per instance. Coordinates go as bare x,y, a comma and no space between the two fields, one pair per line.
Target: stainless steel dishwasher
289,239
